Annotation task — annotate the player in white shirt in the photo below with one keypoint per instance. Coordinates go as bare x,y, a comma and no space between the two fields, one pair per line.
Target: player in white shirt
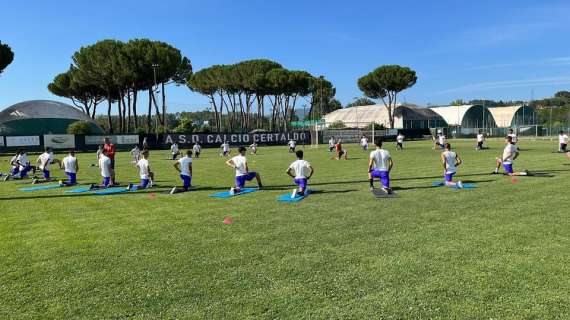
14,167
510,153
292,145
145,173
44,161
70,166
301,171
563,142
197,149
239,163
184,166
24,164
480,140
104,164
380,164
225,149
400,141
442,140
99,152
175,150
136,154
513,136
331,144
253,148
450,161
364,143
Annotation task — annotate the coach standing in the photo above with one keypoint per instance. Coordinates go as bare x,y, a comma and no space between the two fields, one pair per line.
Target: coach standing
109,147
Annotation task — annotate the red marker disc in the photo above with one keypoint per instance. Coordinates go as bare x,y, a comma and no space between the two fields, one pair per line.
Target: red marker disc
228,220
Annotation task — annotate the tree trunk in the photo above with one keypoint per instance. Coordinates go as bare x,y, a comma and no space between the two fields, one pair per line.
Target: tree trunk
136,122
164,115
216,115
149,114
157,110
95,103
109,105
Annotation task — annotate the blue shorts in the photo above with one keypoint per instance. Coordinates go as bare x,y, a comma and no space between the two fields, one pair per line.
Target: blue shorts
449,176
240,180
301,182
46,173
15,171
106,182
24,172
71,177
143,184
186,180
508,167
383,175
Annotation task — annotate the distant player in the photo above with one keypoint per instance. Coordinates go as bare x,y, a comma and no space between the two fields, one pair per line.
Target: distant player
563,142
513,136
184,166
146,175
99,153
480,140
225,149
24,165
442,140
301,171
135,154
340,152
239,163
253,148
14,167
450,161
44,161
197,150
174,150
331,144
379,165
400,141
110,148
510,154
292,145
70,166
364,143
106,170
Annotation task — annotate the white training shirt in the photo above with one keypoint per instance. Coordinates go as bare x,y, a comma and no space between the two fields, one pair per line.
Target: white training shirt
400,138
449,157
509,153
23,159
292,144
226,146
514,137
363,142
144,171
301,168
105,165
240,163
185,163
136,152
69,164
174,148
196,148
13,160
480,137
380,158
441,139
563,139
46,158
331,143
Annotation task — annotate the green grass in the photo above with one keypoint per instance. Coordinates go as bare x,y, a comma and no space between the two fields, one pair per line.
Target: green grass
496,252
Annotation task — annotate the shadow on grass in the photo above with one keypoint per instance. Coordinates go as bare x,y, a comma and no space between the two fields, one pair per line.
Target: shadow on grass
86,194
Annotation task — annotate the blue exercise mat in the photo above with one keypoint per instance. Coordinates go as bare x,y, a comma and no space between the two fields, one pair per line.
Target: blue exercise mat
226,194
109,191
465,185
79,190
297,198
41,187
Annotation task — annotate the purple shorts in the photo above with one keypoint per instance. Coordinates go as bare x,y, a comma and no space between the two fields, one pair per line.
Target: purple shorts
46,173
383,175
186,180
449,176
71,177
508,167
240,180
25,171
301,182
106,182
15,171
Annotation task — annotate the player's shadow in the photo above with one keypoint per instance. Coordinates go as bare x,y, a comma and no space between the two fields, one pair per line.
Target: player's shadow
332,191
86,194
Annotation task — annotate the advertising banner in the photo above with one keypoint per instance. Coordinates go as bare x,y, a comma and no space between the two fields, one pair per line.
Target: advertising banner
237,138
22,141
116,139
59,141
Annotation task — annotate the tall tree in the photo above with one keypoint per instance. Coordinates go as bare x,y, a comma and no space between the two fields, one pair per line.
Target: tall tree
6,56
385,83
322,98
85,97
362,101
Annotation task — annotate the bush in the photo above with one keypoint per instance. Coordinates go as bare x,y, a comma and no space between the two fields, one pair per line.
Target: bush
184,126
376,126
337,125
79,127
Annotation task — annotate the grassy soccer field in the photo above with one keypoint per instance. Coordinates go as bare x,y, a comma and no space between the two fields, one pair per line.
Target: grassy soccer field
499,251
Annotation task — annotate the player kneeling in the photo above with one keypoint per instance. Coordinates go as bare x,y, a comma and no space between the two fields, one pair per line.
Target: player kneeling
510,153
147,176
298,171
184,166
239,163
379,166
450,161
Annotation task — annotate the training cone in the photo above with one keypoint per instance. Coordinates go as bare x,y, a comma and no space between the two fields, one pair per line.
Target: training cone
228,220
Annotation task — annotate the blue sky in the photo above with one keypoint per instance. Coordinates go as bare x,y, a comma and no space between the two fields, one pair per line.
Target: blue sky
460,49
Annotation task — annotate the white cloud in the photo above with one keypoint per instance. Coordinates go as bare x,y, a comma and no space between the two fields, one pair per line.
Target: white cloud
533,82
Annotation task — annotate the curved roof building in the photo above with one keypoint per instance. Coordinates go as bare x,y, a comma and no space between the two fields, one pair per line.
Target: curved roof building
513,116
405,117
467,116
38,117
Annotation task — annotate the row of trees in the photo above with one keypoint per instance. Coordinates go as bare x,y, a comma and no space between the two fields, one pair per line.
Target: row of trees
115,71
6,56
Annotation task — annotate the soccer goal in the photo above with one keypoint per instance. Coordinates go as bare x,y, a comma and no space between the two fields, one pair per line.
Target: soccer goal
314,136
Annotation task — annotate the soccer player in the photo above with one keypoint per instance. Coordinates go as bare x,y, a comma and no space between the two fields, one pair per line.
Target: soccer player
563,142
184,166
513,136
225,149
292,145
136,154
480,140
510,153
340,152
301,171
239,163
106,170
379,165
197,149
331,144
442,140
253,148
175,151
364,143
70,165
147,176
110,148
450,161
44,161
14,167
99,153
400,141
24,164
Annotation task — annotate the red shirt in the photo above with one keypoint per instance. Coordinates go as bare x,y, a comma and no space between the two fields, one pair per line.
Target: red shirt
110,148
338,147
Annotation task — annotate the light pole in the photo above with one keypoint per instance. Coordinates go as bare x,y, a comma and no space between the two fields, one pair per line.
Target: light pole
155,90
